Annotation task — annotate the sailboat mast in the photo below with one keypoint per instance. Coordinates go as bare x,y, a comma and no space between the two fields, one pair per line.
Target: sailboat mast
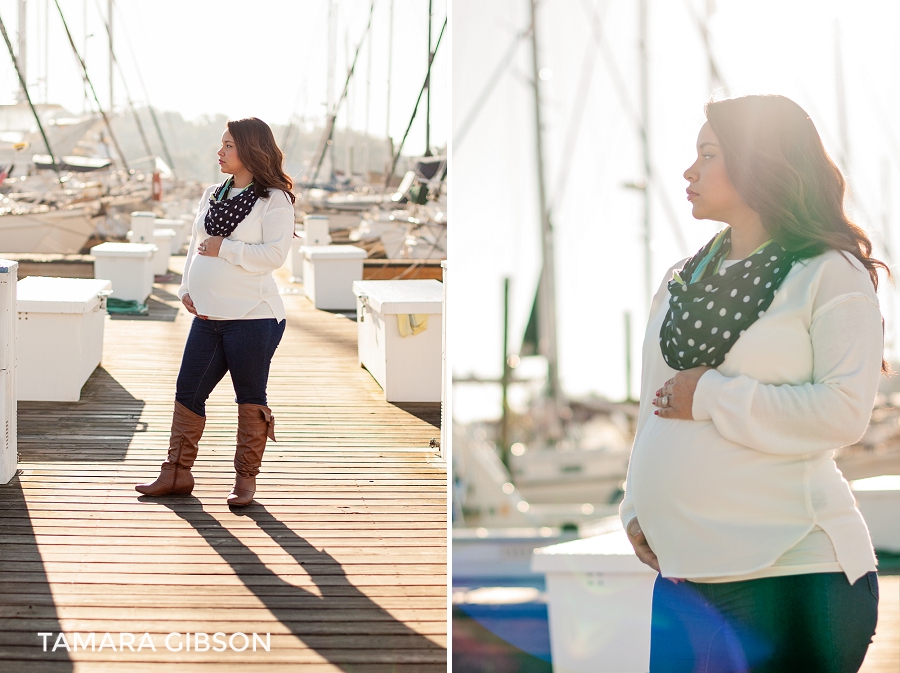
390,67
109,18
428,89
326,141
37,118
547,286
22,49
348,119
841,99
368,92
329,83
645,148
46,51
91,86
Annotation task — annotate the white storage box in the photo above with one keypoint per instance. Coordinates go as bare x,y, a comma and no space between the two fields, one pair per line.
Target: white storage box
8,432
181,229
60,335
162,238
600,599
878,498
328,275
317,229
188,229
407,368
295,257
129,266
142,225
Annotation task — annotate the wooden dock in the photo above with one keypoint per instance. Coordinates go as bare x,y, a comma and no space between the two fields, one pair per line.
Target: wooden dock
341,560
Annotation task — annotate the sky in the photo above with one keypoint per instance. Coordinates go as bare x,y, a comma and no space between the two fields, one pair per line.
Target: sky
266,58
592,150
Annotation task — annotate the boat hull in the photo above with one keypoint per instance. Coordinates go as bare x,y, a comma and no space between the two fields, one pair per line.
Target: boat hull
56,231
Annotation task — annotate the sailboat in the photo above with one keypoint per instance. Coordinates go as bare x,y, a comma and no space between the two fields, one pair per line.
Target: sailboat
408,221
61,182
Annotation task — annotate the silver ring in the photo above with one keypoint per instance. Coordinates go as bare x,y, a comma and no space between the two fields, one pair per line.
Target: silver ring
664,401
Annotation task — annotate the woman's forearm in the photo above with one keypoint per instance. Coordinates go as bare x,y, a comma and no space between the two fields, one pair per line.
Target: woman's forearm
831,411
278,230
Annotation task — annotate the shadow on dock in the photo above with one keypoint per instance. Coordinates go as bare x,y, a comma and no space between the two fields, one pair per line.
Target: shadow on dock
335,590
25,595
100,427
430,412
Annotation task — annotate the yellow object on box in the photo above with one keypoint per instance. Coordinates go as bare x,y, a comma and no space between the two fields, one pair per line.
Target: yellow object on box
412,323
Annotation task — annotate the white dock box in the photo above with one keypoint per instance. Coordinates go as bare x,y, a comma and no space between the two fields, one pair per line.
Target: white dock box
162,238
295,257
316,228
407,368
8,433
878,498
143,222
600,599
328,275
181,229
129,266
60,335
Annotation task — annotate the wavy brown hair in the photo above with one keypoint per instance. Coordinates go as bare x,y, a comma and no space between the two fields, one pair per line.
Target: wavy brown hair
777,163
260,154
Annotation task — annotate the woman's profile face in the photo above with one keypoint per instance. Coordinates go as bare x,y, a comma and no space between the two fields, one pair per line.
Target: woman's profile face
228,156
710,191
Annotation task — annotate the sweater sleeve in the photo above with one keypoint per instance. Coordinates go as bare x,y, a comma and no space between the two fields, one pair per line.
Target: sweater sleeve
830,412
277,230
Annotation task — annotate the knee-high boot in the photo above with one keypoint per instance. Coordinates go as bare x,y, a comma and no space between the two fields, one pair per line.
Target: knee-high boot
175,476
255,424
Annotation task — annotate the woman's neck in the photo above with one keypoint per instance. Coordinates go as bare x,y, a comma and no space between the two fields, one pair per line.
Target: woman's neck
242,179
747,234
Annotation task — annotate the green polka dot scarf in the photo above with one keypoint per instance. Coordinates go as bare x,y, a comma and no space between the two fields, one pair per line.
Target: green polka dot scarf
710,308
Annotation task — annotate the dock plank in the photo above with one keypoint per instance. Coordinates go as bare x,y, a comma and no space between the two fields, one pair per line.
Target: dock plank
341,559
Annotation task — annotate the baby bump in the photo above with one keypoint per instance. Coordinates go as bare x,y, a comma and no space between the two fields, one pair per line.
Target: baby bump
213,280
687,469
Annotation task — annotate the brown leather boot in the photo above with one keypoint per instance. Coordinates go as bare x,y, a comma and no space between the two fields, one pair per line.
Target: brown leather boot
175,477
255,423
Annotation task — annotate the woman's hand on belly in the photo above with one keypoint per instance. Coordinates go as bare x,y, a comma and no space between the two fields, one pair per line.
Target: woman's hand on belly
189,305
210,247
641,547
676,398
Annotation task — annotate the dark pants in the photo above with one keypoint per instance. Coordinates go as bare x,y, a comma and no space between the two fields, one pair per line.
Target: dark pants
242,347
818,623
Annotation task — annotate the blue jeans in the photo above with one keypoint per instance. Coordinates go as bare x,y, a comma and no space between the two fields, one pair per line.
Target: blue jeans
816,623
242,347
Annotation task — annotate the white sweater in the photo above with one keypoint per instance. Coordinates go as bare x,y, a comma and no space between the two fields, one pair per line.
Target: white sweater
730,492
235,283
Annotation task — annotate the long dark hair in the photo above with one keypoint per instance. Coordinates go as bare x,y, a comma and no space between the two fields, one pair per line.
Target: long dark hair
258,151
777,163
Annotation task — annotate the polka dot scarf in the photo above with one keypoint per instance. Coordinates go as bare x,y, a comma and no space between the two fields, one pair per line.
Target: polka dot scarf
224,214
710,309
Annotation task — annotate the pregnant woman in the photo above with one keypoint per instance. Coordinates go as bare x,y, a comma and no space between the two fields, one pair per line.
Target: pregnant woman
762,356
242,233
